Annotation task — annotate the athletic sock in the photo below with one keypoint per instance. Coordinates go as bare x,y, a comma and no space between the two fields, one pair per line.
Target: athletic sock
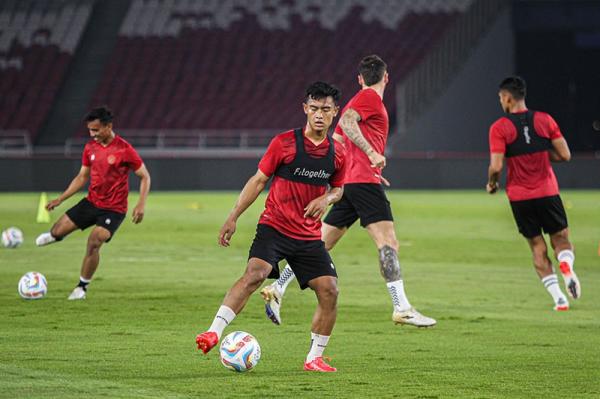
285,278
83,283
222,319
566,258
399,299
551,284
318,343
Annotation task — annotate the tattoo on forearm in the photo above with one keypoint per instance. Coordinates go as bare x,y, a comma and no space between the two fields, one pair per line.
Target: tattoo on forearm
350,127
389,264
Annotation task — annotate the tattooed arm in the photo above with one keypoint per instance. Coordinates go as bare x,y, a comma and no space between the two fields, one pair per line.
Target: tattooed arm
349,124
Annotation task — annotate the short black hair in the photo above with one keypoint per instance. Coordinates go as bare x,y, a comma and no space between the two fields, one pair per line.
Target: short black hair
103,114
515,85
372,68
319,90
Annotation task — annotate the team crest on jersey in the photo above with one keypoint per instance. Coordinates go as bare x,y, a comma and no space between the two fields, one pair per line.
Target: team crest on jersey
93,157
111,159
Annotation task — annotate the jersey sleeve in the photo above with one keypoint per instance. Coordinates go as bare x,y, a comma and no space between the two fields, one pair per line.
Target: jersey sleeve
338,177
365,103
547,126
133,159
498,135
273,157
85,156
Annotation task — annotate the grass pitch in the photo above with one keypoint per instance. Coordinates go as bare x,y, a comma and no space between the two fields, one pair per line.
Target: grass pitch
160,283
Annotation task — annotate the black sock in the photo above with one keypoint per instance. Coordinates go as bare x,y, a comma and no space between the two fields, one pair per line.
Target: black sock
83,284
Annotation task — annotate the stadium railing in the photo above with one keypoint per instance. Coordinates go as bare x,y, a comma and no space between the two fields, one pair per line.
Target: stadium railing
15,142
184,142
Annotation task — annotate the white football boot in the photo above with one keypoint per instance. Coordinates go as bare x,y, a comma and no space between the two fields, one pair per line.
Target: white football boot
78,293
571,281
413,318
44,239
272,299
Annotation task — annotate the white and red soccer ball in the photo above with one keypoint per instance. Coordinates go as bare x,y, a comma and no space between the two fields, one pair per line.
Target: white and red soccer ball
239,351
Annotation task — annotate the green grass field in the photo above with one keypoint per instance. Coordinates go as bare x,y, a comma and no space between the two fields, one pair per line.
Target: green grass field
160,283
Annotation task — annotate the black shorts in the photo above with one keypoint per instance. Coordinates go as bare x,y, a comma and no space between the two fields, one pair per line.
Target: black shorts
84,215
366,201
308,258
534,215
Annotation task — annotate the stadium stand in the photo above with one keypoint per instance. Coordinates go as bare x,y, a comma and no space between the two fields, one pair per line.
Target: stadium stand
37,42
166,72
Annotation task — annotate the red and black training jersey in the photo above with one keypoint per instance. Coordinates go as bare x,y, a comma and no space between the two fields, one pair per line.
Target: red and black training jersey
374,125
529,175
284,207
109,172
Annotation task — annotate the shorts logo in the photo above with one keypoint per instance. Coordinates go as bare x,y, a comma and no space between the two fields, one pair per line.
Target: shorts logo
111,159
93,157
332,266
107,221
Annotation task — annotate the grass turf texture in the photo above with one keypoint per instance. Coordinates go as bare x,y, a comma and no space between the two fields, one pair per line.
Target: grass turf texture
160,283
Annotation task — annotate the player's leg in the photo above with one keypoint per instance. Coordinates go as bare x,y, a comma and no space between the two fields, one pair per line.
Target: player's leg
106,225
62,228
326,290
563,250
341,216
98,236
554,222
383,235
236,298
545,271
314,268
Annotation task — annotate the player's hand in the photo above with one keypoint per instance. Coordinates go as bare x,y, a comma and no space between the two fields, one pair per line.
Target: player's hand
226,232
491,189
316,208
138,214
377,160
384,181
53,204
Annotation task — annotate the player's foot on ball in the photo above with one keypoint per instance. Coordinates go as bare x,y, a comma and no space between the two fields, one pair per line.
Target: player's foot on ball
571,281
413,318
206,341
44,239
78,293
272,299
561,305
318,364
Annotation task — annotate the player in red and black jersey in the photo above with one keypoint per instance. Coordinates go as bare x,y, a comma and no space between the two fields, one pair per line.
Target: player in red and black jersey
106,162
363,128
529,140
307,170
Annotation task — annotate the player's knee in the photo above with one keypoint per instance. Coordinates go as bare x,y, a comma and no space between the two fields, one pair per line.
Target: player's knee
56,232
254,277
328,293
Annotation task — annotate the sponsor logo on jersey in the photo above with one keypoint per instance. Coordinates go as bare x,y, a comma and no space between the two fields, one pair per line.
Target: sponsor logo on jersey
312,174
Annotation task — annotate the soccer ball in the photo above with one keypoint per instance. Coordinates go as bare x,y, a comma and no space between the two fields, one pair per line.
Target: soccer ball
33,286
12,237
240,351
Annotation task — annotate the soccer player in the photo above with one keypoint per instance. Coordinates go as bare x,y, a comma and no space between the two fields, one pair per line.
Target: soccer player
106,161
529,140
363,128
303,163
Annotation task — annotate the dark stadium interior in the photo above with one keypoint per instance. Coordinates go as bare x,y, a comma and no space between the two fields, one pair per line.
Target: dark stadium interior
197,82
